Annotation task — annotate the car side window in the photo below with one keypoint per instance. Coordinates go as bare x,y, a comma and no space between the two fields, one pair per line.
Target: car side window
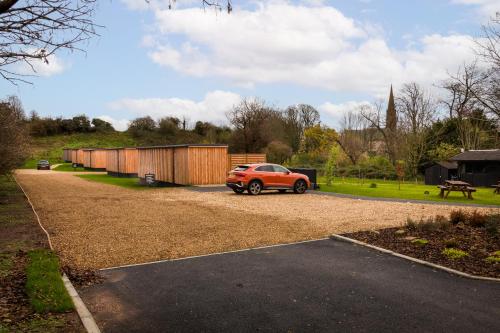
265,168
279,168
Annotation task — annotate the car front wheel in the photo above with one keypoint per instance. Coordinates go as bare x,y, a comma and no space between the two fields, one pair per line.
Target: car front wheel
255,187
300,186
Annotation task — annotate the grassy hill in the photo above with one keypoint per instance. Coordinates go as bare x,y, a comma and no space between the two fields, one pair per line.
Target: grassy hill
50,147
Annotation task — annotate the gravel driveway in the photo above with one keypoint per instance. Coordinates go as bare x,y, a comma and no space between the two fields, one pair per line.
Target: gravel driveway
93,225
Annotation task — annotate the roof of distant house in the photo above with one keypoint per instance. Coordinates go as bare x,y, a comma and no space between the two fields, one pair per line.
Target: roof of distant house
448,164
478,155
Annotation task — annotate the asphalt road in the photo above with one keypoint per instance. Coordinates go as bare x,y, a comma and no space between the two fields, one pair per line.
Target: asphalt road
321,286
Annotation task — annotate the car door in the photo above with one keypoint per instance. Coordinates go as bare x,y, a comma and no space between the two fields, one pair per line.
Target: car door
267,175
282,176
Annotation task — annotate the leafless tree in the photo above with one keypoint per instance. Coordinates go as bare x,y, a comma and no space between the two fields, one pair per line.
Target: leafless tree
462,101
13,135
297,119
33,30
374,114
417,110
352,138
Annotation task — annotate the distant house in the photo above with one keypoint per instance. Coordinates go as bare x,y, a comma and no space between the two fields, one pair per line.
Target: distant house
479,167
437,173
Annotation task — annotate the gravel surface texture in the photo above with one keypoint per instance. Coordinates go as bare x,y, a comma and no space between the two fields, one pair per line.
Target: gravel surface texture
94,225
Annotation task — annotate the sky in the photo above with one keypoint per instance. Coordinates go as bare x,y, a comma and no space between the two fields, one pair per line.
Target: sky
195,63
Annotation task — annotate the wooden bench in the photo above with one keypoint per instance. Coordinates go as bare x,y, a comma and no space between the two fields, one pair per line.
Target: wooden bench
448,189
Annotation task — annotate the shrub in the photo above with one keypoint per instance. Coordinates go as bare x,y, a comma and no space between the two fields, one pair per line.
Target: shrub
457,216
476,219
430,224
454,253
373,185
492,225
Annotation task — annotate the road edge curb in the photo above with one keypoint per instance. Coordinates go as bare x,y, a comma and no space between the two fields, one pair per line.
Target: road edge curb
419,261
85,316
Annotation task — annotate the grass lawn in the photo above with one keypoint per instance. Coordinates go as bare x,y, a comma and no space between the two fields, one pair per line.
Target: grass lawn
69,168
409,190
131,183
44,285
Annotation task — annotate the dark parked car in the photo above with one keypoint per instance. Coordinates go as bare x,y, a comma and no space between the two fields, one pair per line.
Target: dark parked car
43,165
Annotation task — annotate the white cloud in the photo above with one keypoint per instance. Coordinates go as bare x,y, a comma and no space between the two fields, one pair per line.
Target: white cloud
39,67
331,114
118,124
212,108
487,8
314,46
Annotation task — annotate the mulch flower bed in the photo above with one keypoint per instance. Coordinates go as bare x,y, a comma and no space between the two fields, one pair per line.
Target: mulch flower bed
480,248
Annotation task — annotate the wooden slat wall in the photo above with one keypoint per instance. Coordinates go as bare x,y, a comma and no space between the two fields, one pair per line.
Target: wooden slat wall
73,155
86,158
112,160
207,165
234,160
158,161
98,159
181,165
79,156
66,154
128,160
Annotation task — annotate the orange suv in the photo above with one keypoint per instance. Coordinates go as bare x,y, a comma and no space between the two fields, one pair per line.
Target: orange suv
264,176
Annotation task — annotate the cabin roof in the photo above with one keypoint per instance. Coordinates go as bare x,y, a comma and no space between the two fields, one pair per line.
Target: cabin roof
448,164
478,155
185,145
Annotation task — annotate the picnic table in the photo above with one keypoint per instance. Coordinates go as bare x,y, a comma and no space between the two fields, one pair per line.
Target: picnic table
497,188
458,186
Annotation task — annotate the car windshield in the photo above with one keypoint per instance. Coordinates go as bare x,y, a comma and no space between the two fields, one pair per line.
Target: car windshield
43,161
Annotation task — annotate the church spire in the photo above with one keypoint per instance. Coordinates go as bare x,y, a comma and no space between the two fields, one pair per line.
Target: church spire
390,118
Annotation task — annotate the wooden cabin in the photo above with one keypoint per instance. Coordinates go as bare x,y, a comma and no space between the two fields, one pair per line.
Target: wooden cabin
438,173
67,154
122,162
190,164
479,167
94,158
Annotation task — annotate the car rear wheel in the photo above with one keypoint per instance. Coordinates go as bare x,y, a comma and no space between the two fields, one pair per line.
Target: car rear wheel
255,187
300,186
238,190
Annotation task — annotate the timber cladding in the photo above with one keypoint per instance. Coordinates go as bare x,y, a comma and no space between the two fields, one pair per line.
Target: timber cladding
184,164
79,156
94,158
233,160
122,161
67,154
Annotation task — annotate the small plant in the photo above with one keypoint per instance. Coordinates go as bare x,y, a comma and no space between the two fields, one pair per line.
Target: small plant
373,185
457,216
494,258
476,219
420,241
450,243
411,224
454,253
